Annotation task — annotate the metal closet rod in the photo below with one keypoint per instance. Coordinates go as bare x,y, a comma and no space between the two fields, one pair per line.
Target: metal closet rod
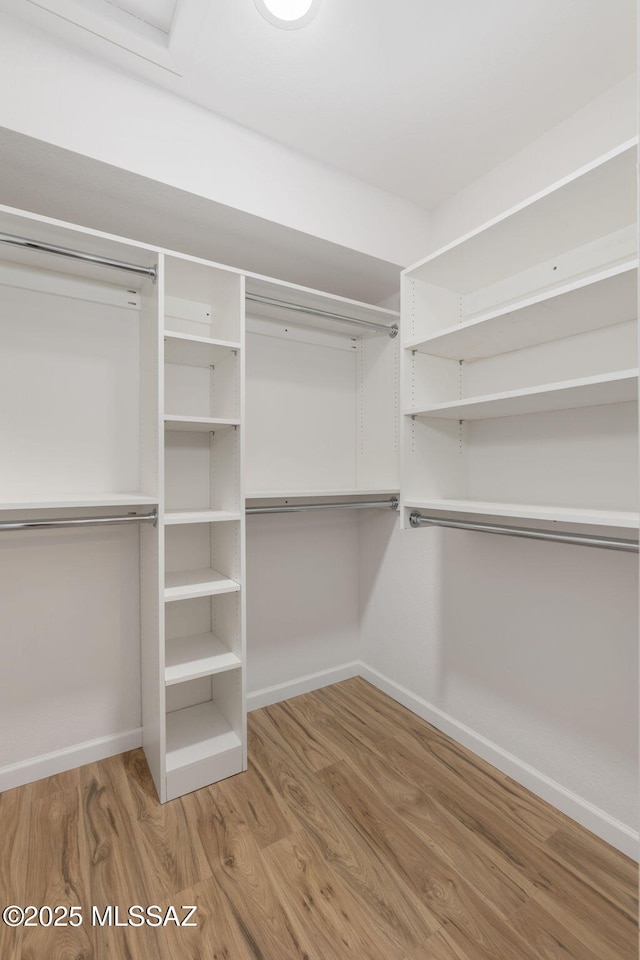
391,504
609,543
391,331
79,521
78,255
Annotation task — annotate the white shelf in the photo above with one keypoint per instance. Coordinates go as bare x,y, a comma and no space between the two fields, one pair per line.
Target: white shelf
79,500
194,351
593,302
197,733
596,200
186,584
345,492
583,516
198,424
199,516
200,655
608,388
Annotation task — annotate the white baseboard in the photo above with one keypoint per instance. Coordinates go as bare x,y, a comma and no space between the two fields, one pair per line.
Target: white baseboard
306,684
17,774
613,831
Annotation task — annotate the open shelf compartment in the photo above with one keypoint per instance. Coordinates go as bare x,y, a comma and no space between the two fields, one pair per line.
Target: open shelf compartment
203,732
203,637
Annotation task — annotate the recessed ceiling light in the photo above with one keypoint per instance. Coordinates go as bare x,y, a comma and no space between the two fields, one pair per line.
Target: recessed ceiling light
288,14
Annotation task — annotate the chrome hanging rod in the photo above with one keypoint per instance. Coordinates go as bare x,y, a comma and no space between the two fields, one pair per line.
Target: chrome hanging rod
609,543
79,521
391,504
391,331
78,255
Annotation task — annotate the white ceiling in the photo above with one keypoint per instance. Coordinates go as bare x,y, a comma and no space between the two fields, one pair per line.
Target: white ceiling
418,97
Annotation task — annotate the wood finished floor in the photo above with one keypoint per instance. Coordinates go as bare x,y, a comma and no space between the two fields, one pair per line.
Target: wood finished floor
358,832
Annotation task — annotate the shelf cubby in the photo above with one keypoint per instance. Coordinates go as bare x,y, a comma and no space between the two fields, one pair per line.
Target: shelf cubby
203,636
204,739
198,386
201,300
200,655
202,560
202,473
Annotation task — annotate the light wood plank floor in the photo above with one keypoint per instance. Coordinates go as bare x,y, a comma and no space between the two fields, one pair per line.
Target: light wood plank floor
358,832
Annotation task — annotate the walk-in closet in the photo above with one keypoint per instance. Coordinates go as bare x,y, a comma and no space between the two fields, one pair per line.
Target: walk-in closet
318,480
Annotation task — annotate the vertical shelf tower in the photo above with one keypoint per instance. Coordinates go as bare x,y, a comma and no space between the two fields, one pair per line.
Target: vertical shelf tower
194,711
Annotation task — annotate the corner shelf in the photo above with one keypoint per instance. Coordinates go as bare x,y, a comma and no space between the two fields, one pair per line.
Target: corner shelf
589,303
187,584
620,387
200,655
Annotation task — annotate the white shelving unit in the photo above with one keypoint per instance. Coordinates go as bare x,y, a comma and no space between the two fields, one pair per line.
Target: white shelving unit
519,371
202,686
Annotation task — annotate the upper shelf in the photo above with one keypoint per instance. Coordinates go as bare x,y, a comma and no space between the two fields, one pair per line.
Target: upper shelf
619,387
597,200
602,299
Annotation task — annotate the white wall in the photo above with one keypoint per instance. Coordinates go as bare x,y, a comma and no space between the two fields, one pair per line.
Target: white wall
54,93
525,651
303,610
606,122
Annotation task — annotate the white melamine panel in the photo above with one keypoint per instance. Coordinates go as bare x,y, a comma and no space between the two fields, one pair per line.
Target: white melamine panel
201,300
586,392
198,424
205,582
200,655
70,377
70,622
378,452
302,416
192,351
608,297
199,516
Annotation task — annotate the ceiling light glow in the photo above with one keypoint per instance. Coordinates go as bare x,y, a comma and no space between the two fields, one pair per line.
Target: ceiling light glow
289,14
